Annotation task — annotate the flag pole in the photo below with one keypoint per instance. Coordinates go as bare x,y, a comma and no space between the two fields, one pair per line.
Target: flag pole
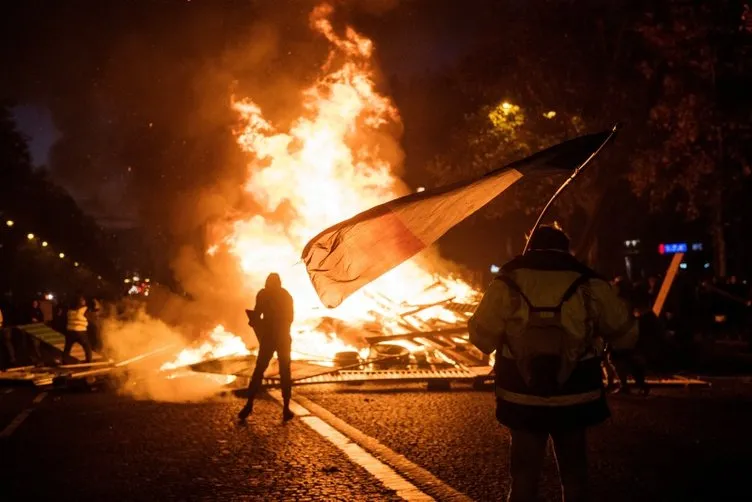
566,183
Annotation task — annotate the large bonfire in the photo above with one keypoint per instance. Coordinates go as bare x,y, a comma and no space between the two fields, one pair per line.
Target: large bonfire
326,167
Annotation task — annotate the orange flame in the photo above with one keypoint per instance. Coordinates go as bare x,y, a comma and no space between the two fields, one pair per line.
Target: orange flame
221,343
331,163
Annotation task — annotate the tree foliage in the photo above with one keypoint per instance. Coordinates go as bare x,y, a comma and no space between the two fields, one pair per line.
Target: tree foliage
36,205
548,76
673,72
684,160
696,150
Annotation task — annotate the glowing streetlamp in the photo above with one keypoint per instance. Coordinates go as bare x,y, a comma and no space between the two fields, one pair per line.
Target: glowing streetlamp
30,236
75,263
10,223
44,244
136,278
126,280
61,255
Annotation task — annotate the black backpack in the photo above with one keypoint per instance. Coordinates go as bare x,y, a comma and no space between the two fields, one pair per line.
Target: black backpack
543,349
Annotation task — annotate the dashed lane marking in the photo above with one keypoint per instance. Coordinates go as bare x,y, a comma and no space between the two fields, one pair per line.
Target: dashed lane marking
392,469
16,423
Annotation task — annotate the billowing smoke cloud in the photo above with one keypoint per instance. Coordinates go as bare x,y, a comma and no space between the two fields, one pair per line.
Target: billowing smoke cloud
141,95
143,344
142,99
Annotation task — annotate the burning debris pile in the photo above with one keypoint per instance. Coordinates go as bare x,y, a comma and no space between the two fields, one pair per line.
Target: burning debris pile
338,158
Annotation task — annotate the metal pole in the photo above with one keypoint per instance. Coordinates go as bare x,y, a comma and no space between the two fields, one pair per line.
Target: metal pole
566,183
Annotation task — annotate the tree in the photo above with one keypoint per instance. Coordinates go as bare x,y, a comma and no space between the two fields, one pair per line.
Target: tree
35,205
545,78
695,153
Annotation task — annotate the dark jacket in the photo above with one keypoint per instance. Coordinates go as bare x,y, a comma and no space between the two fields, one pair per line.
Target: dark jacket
274,309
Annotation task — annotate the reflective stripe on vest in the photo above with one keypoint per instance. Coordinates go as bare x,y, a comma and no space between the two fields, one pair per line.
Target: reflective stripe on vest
77,325
530,400
77,320
593,352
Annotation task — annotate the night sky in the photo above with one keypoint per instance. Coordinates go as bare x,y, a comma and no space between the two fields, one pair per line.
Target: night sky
443,37
90,78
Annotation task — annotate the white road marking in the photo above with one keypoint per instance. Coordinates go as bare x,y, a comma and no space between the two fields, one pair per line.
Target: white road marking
11,428
358,455
355,445
15,423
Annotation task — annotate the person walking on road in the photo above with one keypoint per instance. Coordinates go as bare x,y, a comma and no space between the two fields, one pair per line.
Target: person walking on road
7,335
543,316
76,331
271,320
35,313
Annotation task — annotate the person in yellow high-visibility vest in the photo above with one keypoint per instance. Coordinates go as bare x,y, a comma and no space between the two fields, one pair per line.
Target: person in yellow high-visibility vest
547,315
76,329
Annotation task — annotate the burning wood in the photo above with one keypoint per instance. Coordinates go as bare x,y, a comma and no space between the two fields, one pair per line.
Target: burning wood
335,160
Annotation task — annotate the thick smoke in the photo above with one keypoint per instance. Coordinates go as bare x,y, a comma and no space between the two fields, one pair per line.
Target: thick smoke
145,343
141,94
142,99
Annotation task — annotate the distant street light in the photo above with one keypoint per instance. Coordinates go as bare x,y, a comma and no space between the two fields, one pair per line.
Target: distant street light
75,263
10,223
30,236
44,244
126,280
61,255
147,280
135,278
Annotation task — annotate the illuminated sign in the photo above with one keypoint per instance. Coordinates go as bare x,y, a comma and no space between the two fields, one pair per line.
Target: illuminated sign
673,248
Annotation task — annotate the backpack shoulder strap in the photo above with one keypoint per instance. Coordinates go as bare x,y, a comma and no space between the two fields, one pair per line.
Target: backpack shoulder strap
514,287
572,289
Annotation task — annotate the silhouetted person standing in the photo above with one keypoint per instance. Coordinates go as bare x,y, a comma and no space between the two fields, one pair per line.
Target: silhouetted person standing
271,320
35,313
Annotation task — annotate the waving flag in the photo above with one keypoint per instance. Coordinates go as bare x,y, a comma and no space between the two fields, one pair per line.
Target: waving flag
347,256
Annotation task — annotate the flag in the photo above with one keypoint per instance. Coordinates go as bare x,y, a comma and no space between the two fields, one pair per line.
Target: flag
347,256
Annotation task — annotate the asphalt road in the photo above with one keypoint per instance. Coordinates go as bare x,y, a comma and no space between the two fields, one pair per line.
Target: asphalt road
675,445
100,446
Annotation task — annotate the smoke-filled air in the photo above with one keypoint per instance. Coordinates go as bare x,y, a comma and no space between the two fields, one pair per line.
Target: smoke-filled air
340,156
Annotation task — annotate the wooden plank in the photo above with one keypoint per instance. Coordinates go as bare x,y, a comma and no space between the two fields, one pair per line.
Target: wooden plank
673,268
425,334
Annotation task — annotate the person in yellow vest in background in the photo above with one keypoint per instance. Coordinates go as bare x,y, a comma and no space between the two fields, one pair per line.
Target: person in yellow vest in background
544,315
76,329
